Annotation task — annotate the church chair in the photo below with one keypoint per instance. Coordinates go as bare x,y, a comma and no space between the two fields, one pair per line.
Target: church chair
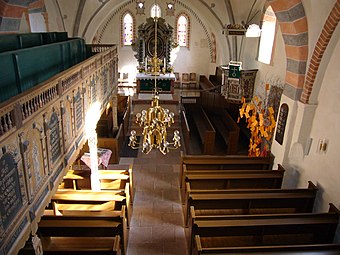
185,81
193,81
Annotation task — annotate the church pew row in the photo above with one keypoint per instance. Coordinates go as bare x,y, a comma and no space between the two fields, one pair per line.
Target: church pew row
80,179
205,83
204,127
265,230
91,225
252,201
232,179
304,249
226,127
87,200
81,245
234,162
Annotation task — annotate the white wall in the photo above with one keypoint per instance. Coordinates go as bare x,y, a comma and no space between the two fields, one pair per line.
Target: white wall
316,121
54,18
323,168
195,59
37,22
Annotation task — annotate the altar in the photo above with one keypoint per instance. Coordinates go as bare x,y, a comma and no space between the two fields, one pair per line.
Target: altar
146,83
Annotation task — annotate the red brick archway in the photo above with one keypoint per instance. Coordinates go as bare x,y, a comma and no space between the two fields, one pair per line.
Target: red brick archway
293,24
319,49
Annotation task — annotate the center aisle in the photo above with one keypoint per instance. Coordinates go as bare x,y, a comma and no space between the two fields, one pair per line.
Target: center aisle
157,226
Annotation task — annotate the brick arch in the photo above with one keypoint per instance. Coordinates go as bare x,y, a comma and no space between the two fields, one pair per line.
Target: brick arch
292,20
11,13
319,49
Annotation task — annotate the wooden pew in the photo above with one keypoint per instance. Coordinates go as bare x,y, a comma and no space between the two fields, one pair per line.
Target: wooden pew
265,230
304,249
253,201
232,179
234,162
80,222
81,179
114,178
88,200
205,83
227,129
81,245
204,127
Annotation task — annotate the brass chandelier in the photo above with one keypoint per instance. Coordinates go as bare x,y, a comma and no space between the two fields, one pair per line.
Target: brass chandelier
155,120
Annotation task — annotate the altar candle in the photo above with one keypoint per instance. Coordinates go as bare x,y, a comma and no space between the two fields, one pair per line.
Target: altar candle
146,61
164,63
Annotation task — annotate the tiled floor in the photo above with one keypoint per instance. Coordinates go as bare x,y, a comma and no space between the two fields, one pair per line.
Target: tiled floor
157,221
157,226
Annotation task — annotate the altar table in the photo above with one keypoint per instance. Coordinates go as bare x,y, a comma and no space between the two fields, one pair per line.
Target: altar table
146,82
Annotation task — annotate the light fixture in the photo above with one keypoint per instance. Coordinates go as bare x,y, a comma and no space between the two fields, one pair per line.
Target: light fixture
155,120
253,30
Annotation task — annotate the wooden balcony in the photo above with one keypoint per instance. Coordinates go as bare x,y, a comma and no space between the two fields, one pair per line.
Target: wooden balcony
41,132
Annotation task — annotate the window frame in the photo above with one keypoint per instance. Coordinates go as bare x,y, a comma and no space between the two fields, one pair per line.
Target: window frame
123,29
186,30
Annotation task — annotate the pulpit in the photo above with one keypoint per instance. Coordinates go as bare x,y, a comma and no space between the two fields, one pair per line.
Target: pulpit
233,89
146,83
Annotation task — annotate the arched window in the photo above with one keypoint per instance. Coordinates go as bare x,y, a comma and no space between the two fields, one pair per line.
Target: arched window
127,29
155,11
267,36
182,31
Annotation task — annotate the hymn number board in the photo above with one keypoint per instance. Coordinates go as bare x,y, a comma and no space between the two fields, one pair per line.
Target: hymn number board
281,123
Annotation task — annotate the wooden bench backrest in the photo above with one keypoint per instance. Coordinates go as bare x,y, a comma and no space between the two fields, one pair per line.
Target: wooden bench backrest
81,245
315,249
264,201
80,227
232,162
205,83
241,179
226,162
270,229
263,230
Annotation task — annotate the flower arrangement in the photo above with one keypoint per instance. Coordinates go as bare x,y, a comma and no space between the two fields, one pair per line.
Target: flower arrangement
261,122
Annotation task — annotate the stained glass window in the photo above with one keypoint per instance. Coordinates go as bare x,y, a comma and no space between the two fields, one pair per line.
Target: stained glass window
182,31
155,11
128,29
